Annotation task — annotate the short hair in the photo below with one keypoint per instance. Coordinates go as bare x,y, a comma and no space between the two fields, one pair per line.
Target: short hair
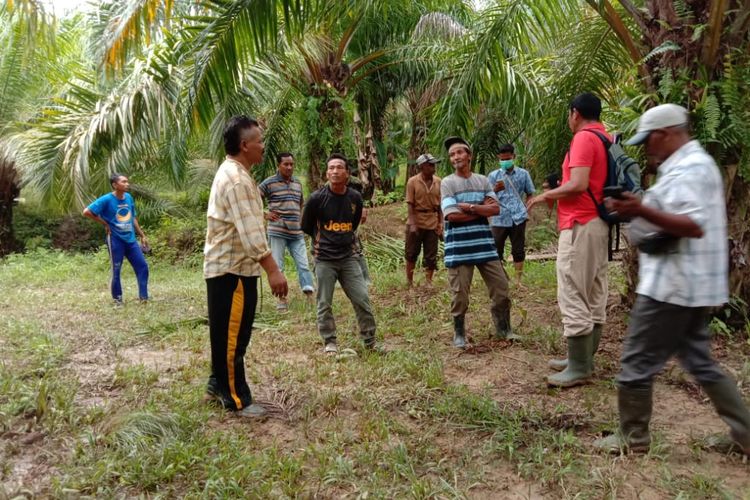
233,132
339,156
506,148
115,177
284,154
588,106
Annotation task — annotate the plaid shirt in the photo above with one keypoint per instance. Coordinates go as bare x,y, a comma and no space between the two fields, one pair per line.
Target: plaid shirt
512,208
235,237
696,273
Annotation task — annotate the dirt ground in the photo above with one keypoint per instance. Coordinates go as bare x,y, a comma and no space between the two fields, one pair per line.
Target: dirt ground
511,373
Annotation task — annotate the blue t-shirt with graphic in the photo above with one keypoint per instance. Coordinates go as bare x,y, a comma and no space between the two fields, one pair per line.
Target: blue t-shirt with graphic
119,214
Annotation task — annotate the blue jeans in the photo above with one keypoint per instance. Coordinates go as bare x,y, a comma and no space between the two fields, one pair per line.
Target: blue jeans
119,250
298,251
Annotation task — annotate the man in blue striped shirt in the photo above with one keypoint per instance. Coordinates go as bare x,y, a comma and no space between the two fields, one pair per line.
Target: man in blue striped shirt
467,200
283,193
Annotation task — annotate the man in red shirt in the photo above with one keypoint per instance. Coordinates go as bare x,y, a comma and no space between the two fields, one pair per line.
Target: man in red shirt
582,246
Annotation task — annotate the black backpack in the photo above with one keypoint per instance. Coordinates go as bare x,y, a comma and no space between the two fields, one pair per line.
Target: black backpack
623,172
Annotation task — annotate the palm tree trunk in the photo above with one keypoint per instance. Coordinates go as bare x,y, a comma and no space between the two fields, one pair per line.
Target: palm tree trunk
738,210
9,190
367,158
417,144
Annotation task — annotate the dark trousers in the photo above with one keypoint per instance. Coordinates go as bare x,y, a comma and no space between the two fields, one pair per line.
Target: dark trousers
517,234
426,241
231,312
657,332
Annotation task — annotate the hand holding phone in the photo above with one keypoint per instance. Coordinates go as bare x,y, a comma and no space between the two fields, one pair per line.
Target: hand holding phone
613,192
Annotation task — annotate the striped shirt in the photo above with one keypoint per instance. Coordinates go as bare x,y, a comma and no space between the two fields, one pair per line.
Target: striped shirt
285,198
695,274
235,237
467,243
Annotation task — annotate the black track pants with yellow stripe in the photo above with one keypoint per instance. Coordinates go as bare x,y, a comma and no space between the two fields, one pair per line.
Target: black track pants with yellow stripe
231,311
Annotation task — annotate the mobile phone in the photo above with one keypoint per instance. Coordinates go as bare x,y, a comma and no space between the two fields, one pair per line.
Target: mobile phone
613,192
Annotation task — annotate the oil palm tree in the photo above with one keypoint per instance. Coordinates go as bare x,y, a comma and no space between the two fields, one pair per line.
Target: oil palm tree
24,33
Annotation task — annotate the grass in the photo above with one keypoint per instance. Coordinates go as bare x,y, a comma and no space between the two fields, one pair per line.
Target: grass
114,395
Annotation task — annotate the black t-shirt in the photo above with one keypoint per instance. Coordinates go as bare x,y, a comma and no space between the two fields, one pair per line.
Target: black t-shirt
331,220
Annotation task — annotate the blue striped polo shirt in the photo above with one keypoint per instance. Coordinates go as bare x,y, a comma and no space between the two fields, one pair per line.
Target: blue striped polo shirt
286,199
467,243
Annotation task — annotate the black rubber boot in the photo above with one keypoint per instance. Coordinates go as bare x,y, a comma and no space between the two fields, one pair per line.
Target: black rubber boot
732,410
560,364
459,332
503,330
635,406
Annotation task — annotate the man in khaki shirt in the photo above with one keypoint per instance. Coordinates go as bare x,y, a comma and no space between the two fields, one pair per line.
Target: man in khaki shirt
424,224
236,250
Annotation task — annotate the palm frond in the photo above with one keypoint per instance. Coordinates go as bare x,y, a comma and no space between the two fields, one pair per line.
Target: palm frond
127,27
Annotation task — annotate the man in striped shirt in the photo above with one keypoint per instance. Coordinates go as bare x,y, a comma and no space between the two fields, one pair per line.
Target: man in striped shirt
467,202
235,251
283,193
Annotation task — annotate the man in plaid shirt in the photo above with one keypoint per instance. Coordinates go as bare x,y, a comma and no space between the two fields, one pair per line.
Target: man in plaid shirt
236,250
679,280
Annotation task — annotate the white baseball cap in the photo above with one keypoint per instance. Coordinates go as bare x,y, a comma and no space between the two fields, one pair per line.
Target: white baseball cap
658,117
427,157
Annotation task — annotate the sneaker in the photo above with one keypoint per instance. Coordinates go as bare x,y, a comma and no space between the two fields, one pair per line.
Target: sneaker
118,303
330,348
252,411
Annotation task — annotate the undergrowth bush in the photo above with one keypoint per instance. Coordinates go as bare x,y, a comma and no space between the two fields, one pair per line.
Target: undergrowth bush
36,229
179,240
380,198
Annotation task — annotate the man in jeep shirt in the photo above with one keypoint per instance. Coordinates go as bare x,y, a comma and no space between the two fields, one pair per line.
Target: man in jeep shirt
582,246
331,217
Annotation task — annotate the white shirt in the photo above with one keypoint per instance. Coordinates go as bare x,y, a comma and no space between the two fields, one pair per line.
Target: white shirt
695,274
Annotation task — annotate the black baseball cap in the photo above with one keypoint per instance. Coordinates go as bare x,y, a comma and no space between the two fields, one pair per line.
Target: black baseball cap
450,141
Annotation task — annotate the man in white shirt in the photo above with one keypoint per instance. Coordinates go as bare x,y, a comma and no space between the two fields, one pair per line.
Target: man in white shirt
681,230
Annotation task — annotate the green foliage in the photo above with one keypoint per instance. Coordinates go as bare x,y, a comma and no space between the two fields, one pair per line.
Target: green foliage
732,319
381,198
35,228
180,240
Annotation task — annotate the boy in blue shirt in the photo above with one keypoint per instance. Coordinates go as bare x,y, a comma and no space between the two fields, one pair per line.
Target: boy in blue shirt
116,212
511,182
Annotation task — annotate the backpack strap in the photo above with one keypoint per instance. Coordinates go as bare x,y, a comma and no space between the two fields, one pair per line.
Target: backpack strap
606,143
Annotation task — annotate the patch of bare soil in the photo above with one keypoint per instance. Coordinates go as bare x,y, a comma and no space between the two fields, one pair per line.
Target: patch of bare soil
515,376
28,456
386,219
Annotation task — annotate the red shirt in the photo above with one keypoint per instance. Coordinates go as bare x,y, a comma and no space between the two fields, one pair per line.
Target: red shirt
586,150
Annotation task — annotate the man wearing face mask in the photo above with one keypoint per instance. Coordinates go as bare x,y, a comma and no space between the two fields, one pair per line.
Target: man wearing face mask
511,183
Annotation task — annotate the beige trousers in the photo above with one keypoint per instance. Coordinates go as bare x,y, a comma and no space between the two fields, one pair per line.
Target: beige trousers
582,277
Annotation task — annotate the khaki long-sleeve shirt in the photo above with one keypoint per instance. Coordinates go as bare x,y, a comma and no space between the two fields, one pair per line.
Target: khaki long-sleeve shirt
235,235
